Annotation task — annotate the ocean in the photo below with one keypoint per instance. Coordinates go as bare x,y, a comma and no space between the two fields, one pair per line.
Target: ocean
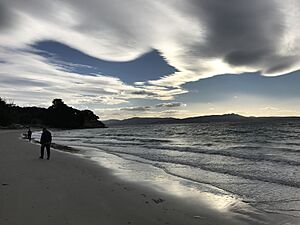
253,165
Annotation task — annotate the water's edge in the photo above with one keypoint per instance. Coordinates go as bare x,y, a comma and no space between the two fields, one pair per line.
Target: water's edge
128,165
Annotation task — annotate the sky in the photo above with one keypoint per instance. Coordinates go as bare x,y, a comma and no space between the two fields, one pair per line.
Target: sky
168,58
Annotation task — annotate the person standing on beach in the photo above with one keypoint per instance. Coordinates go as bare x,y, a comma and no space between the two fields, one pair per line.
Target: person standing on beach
46,139
29,133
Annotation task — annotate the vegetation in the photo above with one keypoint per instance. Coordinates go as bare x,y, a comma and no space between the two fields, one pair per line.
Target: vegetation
5,113
59,115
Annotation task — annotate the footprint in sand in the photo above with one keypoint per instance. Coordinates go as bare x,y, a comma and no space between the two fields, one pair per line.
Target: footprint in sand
158,201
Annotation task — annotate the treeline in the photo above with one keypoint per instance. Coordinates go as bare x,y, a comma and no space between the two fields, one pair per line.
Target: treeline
58,115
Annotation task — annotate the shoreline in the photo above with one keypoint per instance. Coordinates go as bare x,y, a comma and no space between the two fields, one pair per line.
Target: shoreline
80,191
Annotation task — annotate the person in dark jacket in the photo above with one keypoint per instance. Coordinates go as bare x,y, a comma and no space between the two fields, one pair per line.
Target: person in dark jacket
29,133
46,139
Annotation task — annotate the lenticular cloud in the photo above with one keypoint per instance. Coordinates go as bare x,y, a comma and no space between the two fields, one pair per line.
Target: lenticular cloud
201,38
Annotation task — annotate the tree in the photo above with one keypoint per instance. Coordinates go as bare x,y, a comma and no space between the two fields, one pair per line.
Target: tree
5,113
63,116
58,103
58,115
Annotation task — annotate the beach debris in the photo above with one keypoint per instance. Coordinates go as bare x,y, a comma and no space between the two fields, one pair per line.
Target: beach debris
64,148
157,201
198,217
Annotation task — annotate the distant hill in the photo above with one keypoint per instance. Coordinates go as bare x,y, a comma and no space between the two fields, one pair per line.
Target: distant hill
58,115
199,119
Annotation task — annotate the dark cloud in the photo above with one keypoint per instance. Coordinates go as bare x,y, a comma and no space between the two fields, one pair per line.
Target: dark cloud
243,33
241,57
5,18
195,36
281,64
169,105
143,92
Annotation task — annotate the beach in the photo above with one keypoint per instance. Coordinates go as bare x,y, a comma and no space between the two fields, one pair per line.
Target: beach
69,189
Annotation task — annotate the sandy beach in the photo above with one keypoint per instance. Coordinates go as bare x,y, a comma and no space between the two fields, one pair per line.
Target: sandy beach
73,190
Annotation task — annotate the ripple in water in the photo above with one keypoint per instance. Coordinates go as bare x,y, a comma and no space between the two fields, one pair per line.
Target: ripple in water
258,163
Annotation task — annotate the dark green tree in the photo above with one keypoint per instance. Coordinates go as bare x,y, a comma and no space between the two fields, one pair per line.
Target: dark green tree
63,116
5,113
58,115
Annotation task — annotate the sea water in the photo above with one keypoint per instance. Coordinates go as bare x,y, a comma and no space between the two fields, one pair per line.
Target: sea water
257,163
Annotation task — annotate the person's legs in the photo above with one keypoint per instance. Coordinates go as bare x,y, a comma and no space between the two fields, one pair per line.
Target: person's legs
48,151
42,151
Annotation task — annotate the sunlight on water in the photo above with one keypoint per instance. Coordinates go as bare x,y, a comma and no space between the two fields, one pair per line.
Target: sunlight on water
229,164
163,182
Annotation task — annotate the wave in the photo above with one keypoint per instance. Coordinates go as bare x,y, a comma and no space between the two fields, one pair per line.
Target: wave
237,173
239,155
143,140
225,188
203,167
257,164
250,153
282,149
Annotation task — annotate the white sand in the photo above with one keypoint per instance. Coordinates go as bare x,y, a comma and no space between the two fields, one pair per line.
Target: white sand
71,190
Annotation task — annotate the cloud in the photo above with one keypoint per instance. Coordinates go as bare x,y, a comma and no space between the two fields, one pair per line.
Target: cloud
161,105
236,37
4,17
241,34
144,93
31,78
28,78
138,108
200,38
158,110
144,111
278,111
170,105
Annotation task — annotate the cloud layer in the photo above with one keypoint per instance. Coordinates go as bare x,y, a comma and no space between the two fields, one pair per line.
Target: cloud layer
200,38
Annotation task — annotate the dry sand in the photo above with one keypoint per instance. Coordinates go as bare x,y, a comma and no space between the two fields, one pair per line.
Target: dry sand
72,190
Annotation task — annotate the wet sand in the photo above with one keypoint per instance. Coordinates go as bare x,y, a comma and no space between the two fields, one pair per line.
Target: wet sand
69,189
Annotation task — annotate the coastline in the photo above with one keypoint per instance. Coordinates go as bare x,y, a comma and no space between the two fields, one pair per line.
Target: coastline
73,190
